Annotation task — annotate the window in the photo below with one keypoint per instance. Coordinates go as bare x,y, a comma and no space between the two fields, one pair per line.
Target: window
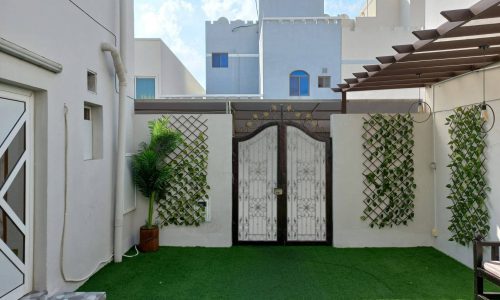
92,131
299,83
91,81
324,81
145,88
220,60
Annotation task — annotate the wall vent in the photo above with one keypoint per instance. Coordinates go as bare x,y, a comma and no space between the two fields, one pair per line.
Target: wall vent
92,81
325,71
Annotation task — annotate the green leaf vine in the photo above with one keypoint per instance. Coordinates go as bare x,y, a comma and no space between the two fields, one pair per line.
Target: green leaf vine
468,188
389,170
187,193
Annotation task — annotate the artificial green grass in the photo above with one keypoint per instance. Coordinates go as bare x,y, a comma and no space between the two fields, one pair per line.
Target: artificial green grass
285,272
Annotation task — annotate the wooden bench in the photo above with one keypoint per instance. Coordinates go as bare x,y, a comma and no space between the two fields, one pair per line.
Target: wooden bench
489,270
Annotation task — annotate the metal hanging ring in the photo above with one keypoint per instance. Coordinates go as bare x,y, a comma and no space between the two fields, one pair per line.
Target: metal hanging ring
494,119
417,103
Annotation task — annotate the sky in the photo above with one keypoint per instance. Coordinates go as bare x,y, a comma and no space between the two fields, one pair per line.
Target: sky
181,23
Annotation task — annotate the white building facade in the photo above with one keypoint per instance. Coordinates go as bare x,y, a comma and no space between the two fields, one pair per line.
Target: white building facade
58,128
292,52
260,58
158,72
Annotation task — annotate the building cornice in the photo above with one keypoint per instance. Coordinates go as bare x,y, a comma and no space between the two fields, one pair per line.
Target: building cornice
29,56
324,19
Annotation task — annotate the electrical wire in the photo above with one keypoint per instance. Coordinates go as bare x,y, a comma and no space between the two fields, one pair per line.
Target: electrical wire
484,102
466,105
102,26
65,217
133,255
94,19
242,26
434,161
420,102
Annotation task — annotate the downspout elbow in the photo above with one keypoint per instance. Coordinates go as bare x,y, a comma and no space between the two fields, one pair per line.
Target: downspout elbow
120,69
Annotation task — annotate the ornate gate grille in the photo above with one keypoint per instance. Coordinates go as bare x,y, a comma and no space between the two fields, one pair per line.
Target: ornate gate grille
281,186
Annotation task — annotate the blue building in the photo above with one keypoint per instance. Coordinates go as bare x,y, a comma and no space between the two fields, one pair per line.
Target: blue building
292,52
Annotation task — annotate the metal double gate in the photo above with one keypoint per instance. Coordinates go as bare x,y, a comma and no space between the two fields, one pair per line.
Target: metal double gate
282,187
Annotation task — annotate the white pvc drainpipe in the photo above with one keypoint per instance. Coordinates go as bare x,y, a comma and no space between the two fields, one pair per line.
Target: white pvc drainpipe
120,164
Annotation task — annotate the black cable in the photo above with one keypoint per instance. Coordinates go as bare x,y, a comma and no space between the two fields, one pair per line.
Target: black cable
95,20
243,26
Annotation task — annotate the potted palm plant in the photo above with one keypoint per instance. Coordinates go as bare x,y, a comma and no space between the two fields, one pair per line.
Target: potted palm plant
151,173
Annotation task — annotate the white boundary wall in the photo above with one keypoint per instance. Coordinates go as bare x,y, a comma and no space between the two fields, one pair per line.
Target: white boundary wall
449,95
348,229
216,232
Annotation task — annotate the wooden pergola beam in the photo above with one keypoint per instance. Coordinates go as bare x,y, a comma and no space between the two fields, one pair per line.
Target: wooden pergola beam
442,62
386,87
457,15
460,44
449,54
428,45
361,75
351,80
484,9
390,59
436,75
373,68
430,34
404,81
423,70
473,30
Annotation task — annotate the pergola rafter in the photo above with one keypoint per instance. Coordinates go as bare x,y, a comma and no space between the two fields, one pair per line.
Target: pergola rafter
470,40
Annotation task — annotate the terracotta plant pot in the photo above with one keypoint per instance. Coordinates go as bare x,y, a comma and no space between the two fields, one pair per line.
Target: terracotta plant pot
149,239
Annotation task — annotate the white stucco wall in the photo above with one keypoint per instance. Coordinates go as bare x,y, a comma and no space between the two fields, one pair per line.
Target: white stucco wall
154,59
291,8
433,10
458,92
216,232
60,31
348,229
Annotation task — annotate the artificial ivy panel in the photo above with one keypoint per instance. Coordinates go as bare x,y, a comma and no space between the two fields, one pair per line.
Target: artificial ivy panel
187,193
468,187
388,170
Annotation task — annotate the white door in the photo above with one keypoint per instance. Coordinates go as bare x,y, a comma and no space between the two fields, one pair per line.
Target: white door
257,178
16,213
306,187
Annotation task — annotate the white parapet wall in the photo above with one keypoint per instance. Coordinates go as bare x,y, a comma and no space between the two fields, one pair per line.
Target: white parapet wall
447,96
217,231
348,228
